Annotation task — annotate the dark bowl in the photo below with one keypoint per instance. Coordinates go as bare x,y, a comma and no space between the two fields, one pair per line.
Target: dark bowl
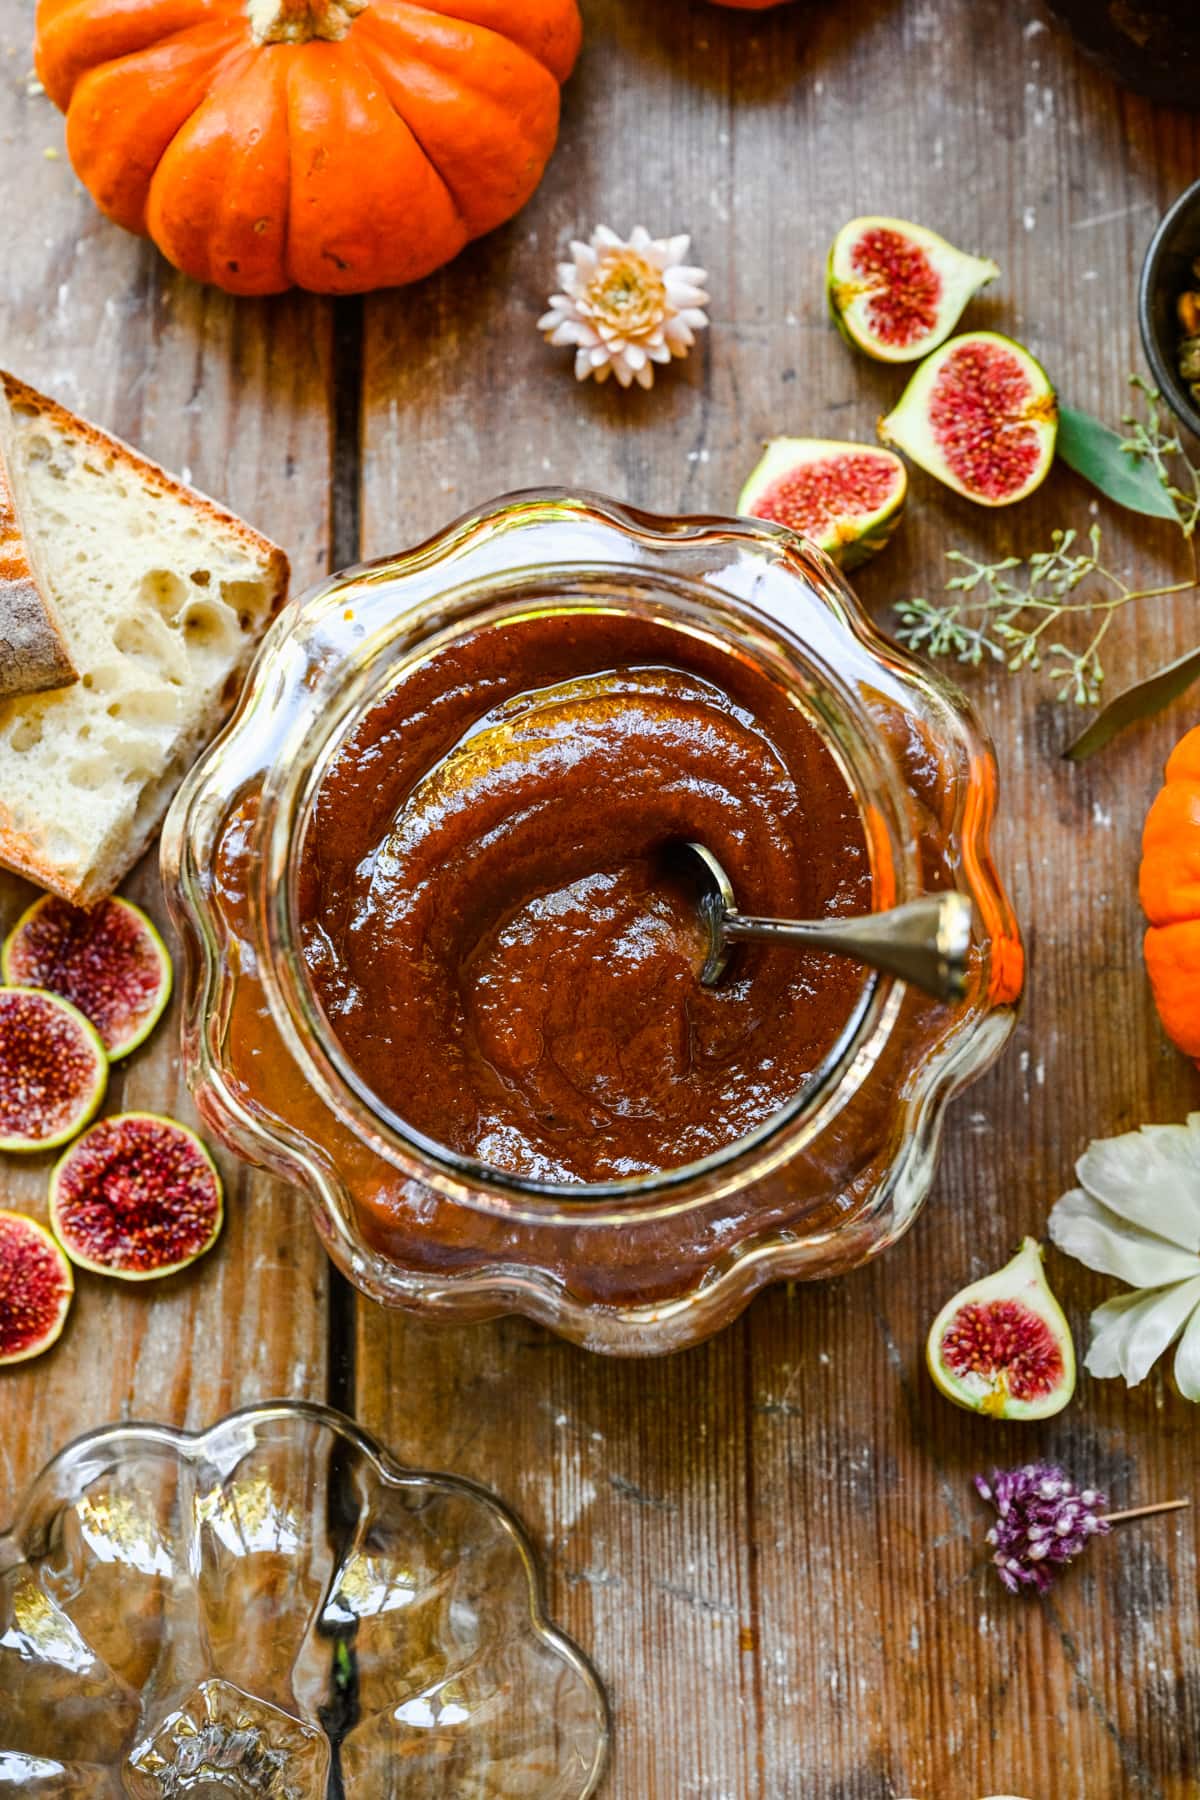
1152,48
1167,273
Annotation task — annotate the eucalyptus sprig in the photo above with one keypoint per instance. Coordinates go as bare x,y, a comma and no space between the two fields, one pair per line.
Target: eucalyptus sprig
1006,610
1146,441
1053,610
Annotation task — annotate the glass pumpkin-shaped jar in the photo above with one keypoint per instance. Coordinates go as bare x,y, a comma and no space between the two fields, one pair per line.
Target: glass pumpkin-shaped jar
661,1259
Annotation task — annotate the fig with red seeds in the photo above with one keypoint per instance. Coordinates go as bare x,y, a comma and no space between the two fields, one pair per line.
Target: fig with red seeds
845,498
53,1070
981,415
36,1288
108,961
137,1196
1003,1346
897,290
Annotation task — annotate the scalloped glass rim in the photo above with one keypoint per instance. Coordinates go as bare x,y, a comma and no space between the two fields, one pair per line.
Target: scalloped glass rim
64,1480
735,557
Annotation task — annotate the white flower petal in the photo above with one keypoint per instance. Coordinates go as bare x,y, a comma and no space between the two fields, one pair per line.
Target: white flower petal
682,295
1098,1238
1129,1334
1105,1353
1187,1360
605,238
679,283
695,318
675,248
635,356
1150,1177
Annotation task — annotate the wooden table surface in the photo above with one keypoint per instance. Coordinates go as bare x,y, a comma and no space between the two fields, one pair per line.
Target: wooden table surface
768,1544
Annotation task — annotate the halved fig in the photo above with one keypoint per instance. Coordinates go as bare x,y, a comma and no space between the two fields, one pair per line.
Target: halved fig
53,1070
36,1287
1003,1346
110,962
981,415
845,498
137,1197
897,290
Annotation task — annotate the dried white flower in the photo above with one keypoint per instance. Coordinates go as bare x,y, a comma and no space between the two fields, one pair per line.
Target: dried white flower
1137,1216
626,304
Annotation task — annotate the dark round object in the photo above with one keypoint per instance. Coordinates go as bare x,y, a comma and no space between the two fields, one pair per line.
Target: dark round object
1152,48
1167,273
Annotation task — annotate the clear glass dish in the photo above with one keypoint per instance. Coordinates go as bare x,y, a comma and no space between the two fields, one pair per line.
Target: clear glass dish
275,1607
660,1261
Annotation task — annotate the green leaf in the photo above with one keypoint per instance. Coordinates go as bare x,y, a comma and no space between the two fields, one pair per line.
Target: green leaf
1141,701
1095,452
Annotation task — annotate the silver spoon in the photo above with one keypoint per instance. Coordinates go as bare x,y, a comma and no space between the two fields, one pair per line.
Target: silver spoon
925,941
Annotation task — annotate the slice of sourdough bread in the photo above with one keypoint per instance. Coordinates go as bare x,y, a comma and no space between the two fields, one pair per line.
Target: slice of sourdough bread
33,650
162,596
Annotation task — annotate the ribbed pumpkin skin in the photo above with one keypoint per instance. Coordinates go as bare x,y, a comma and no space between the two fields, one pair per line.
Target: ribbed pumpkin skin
1169,885
335,166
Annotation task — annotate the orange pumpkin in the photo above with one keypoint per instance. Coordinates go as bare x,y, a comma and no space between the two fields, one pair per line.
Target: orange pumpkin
1170,893
337,145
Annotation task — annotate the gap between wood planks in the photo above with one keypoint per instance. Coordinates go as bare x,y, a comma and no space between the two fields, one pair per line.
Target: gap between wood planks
345,548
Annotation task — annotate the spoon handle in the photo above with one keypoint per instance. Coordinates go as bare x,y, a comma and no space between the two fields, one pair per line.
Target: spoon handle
925,941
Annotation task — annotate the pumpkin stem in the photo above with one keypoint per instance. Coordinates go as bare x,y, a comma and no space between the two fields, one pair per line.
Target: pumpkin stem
299,21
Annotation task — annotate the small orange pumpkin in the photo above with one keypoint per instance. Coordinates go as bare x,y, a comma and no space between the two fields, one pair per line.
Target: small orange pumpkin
337,145
1170,892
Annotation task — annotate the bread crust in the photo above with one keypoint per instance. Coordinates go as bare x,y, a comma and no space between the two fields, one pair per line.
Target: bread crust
18,854
33,650
20,848
20,394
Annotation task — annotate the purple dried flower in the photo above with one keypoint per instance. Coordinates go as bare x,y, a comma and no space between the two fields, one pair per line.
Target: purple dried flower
1043,1522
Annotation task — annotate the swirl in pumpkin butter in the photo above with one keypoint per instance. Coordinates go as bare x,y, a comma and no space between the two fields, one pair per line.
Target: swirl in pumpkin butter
489,913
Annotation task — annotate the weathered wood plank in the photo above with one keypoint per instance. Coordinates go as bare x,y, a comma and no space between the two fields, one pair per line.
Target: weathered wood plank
236,397
771,1544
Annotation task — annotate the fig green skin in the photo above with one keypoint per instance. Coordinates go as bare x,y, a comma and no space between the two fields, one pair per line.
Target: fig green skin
53,1329
1022,1280
904,428
847,552
152,936
89,1103
81,1260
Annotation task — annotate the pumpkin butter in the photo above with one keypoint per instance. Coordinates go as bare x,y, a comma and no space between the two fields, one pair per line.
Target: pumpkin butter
488,914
